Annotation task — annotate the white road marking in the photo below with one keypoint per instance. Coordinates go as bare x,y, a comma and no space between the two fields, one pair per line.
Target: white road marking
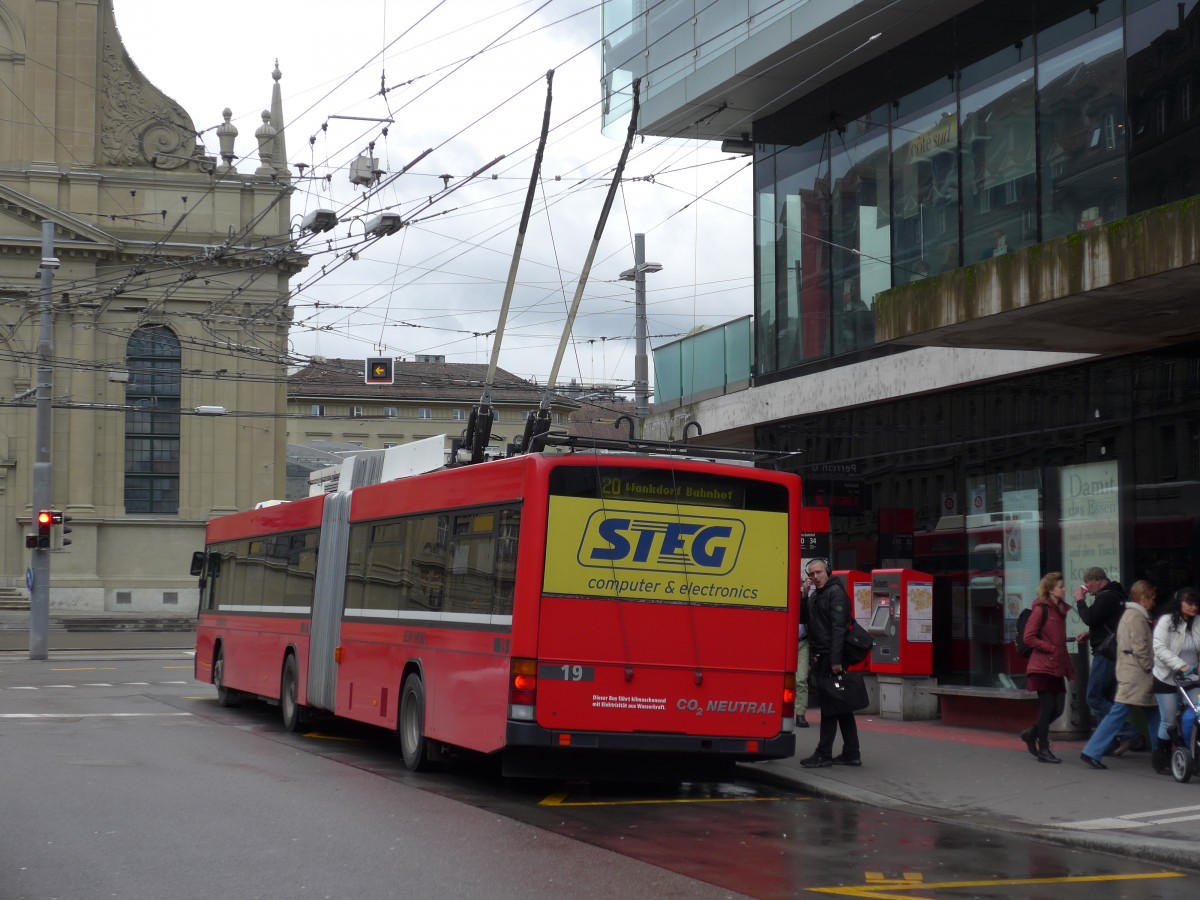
1162,812
1137,820
30,687
118,715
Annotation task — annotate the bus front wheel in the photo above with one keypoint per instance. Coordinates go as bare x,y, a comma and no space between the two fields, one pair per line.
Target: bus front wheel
225,696
287,696
413,745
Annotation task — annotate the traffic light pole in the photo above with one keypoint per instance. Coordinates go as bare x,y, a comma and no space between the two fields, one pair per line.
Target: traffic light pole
39,567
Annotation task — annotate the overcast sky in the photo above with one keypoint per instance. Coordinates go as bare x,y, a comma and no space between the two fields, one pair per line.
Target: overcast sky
466,78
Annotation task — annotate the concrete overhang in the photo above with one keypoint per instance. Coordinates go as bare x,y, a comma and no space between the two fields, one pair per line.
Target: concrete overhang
1131,285
763,72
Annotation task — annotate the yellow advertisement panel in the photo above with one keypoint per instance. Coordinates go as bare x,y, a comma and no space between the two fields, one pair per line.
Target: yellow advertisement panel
666,552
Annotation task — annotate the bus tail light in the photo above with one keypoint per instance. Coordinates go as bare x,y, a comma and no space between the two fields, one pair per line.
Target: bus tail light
789,691
522,689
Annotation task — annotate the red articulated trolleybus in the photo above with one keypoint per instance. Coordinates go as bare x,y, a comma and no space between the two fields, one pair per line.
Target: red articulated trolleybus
562,610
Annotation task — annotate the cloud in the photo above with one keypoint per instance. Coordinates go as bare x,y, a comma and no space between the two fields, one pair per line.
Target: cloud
437,285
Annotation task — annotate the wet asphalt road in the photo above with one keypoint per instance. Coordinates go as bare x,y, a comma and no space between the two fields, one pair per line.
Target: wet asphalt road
739,837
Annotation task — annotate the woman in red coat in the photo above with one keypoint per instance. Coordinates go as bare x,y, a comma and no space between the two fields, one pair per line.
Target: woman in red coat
1049,663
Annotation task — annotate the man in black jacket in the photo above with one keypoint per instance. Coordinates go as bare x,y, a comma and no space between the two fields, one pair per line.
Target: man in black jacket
829,613
1101,618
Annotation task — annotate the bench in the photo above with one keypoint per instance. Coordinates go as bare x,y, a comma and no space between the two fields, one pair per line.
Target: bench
993,708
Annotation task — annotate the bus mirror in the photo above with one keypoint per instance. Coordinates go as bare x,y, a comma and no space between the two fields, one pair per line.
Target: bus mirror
197,563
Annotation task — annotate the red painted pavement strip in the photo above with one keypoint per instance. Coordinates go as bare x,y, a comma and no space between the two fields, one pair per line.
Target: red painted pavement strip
935,730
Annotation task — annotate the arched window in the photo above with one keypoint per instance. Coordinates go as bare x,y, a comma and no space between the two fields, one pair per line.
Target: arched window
152,422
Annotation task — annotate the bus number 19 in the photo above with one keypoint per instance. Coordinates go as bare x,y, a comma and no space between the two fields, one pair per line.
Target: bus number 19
567,672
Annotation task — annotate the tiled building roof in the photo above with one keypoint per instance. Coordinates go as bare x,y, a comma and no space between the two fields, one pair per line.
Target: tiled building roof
342,379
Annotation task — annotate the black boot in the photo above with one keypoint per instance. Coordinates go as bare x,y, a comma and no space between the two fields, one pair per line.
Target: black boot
1045,756
1160,758
1030,740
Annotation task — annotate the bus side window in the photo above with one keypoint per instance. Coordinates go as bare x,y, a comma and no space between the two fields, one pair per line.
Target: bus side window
506,561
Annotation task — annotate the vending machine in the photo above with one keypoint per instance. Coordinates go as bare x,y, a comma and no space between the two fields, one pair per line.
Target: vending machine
901,622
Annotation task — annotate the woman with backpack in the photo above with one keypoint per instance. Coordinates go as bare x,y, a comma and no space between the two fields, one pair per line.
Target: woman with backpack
1049,663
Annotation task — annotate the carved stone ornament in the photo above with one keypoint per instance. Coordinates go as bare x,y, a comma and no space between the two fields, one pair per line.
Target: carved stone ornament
142,126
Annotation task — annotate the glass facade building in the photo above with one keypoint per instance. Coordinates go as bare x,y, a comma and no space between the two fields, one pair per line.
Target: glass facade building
1012,124
1008,126
988,487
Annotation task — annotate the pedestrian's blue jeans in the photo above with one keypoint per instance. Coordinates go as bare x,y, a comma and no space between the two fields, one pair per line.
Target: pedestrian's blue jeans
1110,726
1101,679
1101,682
1168,709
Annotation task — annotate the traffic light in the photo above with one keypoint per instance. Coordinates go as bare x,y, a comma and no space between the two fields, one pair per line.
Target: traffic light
58,529
45,524
379,370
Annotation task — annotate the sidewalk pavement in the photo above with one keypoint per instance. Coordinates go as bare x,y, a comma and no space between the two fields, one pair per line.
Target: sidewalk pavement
988,779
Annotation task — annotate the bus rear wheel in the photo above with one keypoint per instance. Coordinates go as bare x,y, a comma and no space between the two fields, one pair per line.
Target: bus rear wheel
413,745
225,696
287,696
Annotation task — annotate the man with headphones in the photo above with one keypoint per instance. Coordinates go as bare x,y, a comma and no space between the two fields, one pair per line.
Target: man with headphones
829,612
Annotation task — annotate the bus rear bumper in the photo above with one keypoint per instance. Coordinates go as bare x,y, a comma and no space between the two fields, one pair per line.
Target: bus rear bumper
530,735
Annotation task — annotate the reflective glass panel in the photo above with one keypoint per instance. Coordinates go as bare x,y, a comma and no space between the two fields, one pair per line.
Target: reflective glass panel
1164,110
925,190
1081,104
860,247
999,155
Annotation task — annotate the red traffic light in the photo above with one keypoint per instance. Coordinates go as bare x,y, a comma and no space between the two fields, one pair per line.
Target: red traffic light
45,522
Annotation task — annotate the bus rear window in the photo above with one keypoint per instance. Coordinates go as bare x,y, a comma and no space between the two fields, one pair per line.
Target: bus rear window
667,486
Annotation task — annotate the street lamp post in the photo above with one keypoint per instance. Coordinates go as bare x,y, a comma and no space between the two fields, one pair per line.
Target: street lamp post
641,380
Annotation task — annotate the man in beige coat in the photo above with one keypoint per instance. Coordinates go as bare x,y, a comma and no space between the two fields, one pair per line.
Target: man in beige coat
1135,683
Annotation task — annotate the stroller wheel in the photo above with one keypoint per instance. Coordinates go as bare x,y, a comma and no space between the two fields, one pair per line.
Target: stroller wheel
1181,765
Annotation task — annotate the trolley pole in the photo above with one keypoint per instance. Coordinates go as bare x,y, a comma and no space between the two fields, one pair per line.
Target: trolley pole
39,591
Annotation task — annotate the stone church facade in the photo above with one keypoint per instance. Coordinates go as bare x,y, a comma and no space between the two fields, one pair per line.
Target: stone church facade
171,296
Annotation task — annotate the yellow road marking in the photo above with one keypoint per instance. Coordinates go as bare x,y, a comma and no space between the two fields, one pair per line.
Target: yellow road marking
213,699
87,669
559,798
880,889
317,736
177,667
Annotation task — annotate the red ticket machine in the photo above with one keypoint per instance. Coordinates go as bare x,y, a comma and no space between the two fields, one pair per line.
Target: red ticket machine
901,622
858,588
